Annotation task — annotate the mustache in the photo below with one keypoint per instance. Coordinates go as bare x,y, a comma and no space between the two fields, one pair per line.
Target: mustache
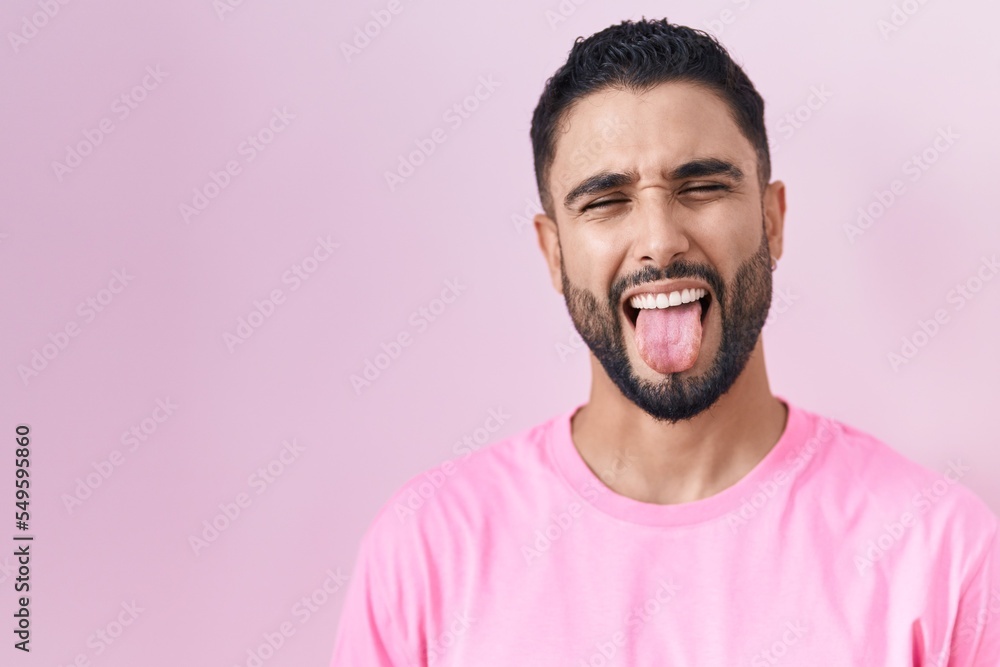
686,269
673,271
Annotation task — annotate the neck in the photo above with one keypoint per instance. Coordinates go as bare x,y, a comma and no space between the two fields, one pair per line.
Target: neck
663,463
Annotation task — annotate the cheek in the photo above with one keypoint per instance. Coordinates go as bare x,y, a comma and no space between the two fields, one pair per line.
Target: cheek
593,261
728,243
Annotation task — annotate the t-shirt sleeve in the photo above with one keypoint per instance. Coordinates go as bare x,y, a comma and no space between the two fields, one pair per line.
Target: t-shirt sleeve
976,639
365,635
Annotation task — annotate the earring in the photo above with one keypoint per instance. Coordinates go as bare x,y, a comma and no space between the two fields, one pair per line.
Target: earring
774,263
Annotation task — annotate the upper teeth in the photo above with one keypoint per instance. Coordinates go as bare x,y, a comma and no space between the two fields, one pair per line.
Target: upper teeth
663,300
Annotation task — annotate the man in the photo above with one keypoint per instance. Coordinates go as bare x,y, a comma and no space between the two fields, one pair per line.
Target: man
684,515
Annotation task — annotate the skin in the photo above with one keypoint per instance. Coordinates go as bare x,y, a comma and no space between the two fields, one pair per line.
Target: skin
688,435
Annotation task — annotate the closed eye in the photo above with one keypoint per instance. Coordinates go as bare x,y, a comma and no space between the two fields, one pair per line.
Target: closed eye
707,188
702,188
604,203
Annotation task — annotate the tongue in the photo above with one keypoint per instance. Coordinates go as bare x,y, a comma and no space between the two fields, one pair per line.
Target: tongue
669,338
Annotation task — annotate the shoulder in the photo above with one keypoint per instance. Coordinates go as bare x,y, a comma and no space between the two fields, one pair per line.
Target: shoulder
426,543
881,471
451,502
876,487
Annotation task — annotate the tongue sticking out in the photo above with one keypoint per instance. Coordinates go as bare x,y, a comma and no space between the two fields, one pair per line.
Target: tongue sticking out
669,338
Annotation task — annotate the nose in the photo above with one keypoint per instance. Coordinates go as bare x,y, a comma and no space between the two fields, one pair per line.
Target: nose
660,234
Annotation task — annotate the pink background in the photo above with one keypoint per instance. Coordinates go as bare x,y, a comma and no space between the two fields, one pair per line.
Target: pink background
505,343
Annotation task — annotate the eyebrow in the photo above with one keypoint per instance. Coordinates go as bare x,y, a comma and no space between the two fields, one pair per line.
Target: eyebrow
607,180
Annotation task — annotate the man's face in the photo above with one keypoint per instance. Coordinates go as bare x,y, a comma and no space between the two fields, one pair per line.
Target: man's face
703,225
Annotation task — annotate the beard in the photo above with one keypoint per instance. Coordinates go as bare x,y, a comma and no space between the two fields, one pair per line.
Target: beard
743,305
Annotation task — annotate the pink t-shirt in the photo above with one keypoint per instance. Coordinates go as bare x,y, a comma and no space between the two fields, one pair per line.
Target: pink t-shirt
834,550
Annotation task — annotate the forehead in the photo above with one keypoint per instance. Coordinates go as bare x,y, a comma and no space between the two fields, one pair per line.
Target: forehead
650,132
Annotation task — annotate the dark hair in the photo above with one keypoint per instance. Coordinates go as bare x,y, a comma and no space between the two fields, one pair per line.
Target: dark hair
637,56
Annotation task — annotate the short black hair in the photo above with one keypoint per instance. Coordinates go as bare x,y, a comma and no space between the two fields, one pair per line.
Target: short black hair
636,56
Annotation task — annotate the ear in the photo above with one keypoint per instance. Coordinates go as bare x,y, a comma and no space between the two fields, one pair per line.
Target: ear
548,241
774,216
